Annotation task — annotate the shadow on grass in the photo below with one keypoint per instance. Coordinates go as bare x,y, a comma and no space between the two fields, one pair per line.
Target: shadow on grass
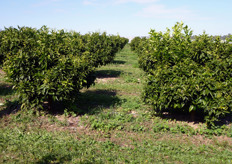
53,158
88,102
107,73
91,102
6,89
185,117
195,118
11,107
118,62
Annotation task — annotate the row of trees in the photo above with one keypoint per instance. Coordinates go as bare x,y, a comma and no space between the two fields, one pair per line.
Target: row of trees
186,75
47,65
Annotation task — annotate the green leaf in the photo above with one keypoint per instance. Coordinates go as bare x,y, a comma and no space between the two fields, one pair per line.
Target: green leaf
191,108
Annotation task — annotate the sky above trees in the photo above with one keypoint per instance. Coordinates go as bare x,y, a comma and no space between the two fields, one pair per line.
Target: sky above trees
127,18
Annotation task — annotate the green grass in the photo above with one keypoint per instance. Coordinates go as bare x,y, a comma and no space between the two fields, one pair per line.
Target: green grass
109,123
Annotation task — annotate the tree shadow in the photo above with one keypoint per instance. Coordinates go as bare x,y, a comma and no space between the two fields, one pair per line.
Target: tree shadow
118,62
6,89
93,101
11,107
225,120
88,102
107,73
195,118
185,117
54,158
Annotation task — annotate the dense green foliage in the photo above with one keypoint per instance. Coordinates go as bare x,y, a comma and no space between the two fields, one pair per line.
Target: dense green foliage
137,44
102,48
48,65
134,43
185,75
1,54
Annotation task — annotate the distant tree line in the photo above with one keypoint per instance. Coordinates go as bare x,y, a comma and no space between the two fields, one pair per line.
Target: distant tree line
222,37
225,36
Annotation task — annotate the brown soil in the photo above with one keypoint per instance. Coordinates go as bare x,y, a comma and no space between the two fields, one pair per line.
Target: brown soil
106,80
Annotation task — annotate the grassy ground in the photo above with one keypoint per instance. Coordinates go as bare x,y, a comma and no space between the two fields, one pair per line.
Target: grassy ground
108,124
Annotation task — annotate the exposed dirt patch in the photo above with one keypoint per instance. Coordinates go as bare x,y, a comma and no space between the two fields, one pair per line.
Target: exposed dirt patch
71,124
223,140
193,125
121,93
106,80
71,121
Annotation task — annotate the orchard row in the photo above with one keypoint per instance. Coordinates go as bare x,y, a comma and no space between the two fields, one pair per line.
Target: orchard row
186,75
48,65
